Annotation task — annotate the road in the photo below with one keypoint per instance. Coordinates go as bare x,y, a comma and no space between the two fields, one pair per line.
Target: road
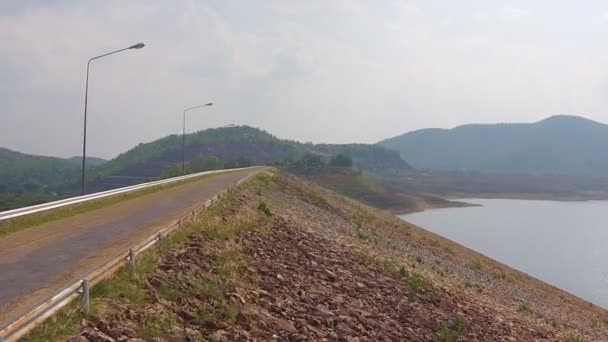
38,261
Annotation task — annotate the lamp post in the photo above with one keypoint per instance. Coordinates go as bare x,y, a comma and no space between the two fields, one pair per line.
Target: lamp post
86,95
184,135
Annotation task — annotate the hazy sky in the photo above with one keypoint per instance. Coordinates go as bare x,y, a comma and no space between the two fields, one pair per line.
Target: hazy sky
312,70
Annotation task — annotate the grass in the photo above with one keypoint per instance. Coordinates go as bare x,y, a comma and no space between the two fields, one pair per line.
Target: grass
156,325
403,272
478,288
57,327
364,234
452,332
524,306
476,265
169,292
499,275
264,208
416,283
206,287
311,196
229,263
27,221
449,250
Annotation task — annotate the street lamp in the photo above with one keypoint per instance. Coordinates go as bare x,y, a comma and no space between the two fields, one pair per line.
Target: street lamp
184,135
86,94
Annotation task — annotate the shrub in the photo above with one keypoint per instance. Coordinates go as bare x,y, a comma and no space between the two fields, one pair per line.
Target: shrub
524,306
263,207
341,160
451,333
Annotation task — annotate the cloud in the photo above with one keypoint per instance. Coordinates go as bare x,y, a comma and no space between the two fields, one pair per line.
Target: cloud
515,13
337,71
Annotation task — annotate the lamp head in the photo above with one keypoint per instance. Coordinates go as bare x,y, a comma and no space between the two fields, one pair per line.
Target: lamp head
137,46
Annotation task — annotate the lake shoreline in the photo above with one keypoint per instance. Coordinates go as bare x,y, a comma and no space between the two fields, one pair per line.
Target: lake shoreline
502,223
531,197
449,203
456,200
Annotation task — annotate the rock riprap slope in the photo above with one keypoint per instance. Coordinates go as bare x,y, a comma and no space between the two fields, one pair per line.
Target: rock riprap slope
282,259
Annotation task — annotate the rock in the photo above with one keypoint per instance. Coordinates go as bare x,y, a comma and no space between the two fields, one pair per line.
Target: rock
330,275
100,323
280,277
97,336
239,297
187,315
285,325
325,312
338,300
115,333
129,333
78,338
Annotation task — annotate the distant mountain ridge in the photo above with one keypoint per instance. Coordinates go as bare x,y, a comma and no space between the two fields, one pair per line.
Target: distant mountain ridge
561,144
91,161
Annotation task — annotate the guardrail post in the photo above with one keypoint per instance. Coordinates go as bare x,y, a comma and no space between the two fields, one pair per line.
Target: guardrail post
131,260
85,296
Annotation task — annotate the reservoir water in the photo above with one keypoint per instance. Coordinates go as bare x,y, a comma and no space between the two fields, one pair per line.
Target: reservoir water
562,243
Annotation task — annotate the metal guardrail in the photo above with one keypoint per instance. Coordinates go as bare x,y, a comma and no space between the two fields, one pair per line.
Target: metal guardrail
22,323
14,213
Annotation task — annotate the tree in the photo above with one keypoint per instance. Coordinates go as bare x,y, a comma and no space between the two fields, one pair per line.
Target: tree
341,160
313,161
239,162
170,171
200,164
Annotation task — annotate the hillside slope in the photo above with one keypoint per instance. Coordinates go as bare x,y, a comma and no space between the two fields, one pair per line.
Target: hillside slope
560,144
279,259
371,190
28,179
234,146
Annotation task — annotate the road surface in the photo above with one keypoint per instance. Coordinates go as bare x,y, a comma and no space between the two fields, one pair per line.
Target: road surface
38,261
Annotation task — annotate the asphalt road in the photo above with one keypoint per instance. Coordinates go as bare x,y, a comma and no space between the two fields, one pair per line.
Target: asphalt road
39,260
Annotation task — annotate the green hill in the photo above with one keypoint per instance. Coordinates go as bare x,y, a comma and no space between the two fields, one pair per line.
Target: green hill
562,144
233,146
27,179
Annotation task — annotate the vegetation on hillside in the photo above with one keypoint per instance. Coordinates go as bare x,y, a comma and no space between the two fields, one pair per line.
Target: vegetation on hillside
234,142
336,173
234,146
561,144
28,179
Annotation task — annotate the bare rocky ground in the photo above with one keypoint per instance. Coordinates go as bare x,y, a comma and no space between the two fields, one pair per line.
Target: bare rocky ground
283,260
